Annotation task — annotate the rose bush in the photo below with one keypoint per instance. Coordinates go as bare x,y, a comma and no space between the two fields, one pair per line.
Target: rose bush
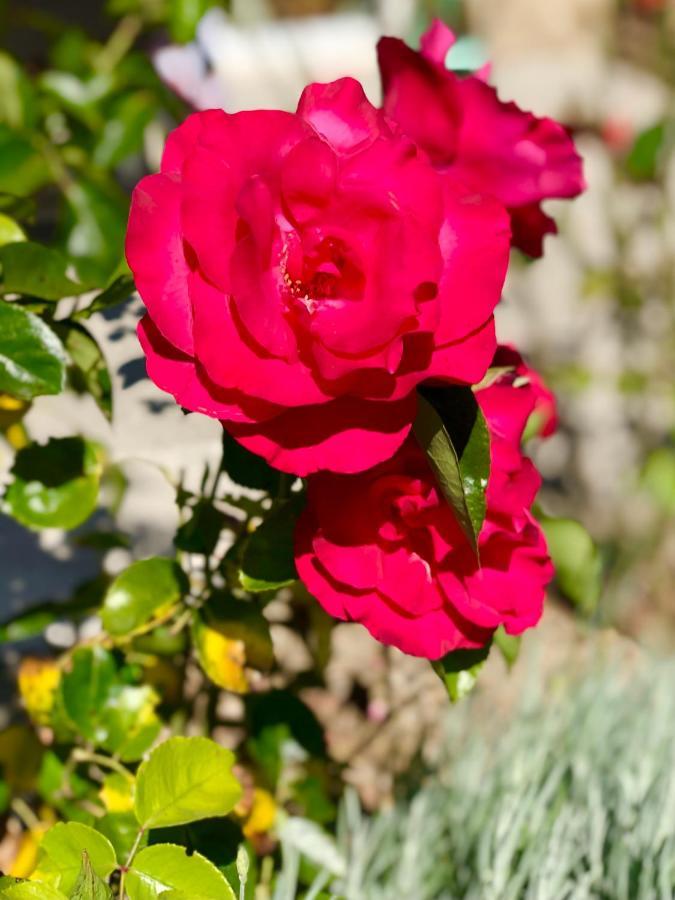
468,131
385,549
304,272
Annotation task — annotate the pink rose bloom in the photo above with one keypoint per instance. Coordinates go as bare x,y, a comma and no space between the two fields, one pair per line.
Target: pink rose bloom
510,409
303,272
384,548
467,130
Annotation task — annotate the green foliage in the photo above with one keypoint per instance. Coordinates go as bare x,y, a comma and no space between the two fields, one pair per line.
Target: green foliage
185,779
451,430
165,867
89,886
459,670
577,561
269,562
61,854
32,359
147,588
36,271
55,485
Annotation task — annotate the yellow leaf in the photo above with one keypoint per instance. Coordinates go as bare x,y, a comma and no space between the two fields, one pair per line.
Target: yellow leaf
263,814
117,792
38,683
222,658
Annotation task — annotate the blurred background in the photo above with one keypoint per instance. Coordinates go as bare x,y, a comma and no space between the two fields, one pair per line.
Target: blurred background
596,315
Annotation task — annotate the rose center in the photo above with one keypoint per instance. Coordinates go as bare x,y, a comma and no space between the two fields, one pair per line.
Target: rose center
321,274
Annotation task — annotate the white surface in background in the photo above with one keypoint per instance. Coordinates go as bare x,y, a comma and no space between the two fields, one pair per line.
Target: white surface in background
266,65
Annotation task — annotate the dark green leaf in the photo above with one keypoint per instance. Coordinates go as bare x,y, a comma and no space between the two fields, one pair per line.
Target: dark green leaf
117,292
32,358
38,271
145,589
55,485
201,532
453,433
247,469
90,372
23,170
88,885
578,567
269,561
459,670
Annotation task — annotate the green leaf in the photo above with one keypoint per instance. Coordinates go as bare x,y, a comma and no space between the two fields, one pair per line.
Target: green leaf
129,725
123,131
38,271
201,532
18,104
147,588
658,478
269,560
61,853
89,373
453,433
247,469
23,170
56,484
459,670
32,358
644,157
168,867
86,686
183,780
10,231
88,885
185,15
95,236
508,645
31,890
578,567
119,290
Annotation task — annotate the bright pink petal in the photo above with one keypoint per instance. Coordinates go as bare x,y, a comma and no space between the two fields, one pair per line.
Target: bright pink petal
177,374
156,256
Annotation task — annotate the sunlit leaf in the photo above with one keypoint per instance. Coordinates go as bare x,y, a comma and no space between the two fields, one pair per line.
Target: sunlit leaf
55,485
165,867
183,780
145,589
32,358
61,854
